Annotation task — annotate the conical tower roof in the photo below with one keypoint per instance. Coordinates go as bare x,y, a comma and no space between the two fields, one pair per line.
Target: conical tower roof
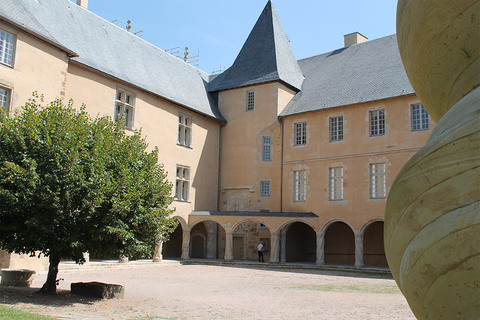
266,56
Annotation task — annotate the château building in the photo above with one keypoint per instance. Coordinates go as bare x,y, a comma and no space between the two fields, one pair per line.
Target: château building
296,154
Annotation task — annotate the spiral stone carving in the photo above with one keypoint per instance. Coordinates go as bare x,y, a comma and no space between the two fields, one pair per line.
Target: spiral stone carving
432,219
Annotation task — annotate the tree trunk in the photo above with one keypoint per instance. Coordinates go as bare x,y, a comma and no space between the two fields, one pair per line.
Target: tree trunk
50,286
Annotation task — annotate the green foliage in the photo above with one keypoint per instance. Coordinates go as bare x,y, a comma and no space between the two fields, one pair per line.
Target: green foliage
8,313
71,184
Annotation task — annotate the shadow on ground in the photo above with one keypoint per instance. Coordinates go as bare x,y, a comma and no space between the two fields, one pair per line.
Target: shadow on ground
16,295
326,270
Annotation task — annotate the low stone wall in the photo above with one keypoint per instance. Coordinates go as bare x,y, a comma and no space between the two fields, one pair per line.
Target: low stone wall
17,277
98,290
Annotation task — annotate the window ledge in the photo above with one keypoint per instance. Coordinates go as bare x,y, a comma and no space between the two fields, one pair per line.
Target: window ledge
417,130
6,65
179,200
378,198
184,146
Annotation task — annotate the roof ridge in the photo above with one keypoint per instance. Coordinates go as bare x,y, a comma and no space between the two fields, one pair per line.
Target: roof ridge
366,43
133,35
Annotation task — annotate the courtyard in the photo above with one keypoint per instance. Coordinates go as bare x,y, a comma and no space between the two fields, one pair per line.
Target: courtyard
172,290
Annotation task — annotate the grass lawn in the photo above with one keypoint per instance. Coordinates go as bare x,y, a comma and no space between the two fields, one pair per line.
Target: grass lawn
14,314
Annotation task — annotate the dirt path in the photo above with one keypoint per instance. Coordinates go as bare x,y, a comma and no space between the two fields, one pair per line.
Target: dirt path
214,292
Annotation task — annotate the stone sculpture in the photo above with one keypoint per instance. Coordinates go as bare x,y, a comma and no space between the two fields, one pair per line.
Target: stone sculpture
432,219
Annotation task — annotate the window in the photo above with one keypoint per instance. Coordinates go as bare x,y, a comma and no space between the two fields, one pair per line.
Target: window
7,47
267,149
420,118
184,130
377,180
265,188
300,133
377,123
182,183
250,100
124,107
336,128
336,183
299,185
4,99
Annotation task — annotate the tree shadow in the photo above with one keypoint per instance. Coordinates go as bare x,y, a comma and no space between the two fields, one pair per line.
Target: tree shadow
63,298
307,268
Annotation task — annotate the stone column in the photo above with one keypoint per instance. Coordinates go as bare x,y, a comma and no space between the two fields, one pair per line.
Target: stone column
358,249
283,246
320,248
275,243
157,252
86,257
245,243
211,244
186,245
228,244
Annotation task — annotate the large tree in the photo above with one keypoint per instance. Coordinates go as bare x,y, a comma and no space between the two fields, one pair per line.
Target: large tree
71,184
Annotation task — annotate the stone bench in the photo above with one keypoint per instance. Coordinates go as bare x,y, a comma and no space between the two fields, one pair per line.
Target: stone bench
98,290
17,277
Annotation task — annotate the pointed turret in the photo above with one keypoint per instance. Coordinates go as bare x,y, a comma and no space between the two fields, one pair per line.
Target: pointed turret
266,56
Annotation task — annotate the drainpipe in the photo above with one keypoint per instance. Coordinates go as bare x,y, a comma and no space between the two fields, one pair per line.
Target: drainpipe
281,165
219,165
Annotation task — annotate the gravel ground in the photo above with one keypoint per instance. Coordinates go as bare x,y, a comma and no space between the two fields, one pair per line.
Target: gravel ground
175,291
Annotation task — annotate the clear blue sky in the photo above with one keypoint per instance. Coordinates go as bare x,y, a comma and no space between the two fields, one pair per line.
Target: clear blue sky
218,28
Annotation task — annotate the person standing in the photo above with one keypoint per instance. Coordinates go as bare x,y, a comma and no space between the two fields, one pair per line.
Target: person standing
260,249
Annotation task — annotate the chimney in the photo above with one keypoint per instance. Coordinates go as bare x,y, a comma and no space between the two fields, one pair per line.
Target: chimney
354,38
83,3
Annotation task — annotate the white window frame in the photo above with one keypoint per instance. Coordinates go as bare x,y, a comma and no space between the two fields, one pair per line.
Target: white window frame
184,130
299,185
265,188
125,105
420,117
5,96
250,100
377,180
266,148
7,47
300,133
376,122
336,183
336,128
182,183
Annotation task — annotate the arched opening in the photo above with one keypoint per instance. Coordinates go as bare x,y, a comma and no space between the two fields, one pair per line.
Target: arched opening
339,244
172,249
198,246
246,237
207,241
373,249
300,243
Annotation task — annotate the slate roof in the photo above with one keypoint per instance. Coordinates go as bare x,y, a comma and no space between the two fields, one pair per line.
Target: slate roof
368,71
255,214
266,56
112,50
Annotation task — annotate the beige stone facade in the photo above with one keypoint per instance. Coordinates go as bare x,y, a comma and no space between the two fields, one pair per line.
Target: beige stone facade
253,175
